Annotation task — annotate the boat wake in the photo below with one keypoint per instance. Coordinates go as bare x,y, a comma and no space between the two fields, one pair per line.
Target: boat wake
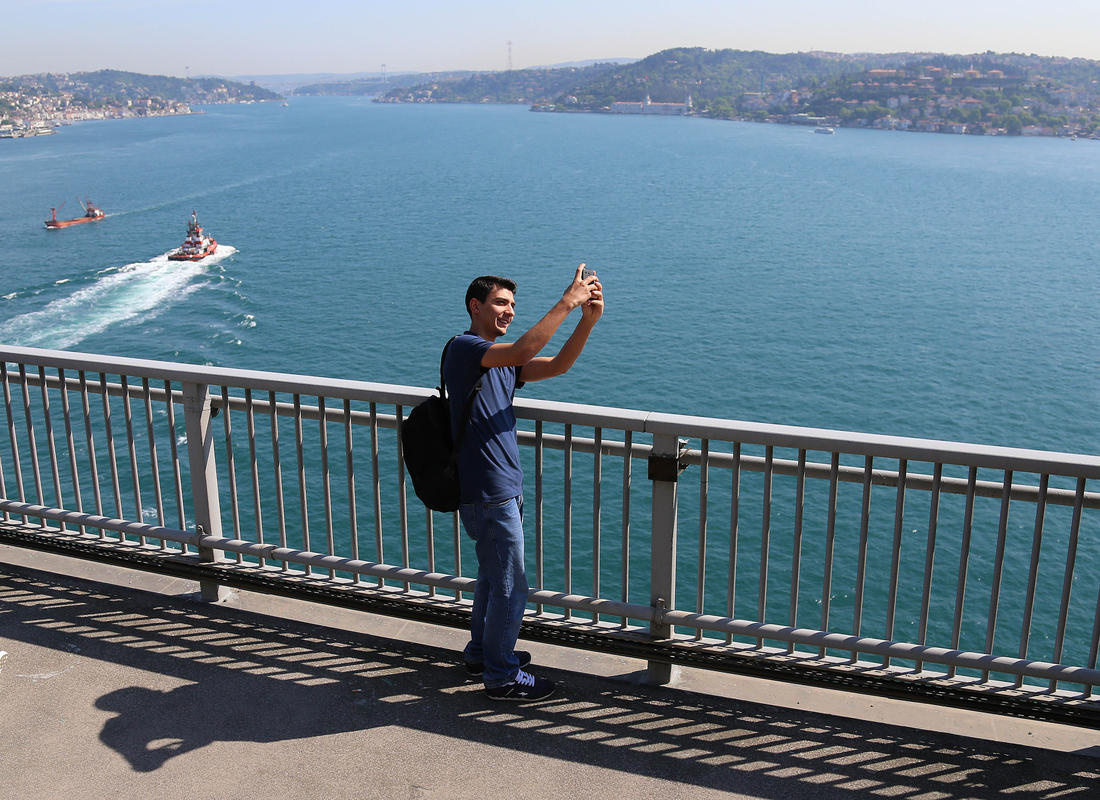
116,295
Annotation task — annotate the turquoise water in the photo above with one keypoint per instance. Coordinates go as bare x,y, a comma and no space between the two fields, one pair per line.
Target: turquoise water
909,284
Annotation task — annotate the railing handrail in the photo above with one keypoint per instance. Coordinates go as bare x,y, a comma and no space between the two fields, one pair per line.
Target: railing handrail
758,433
283,382
546,411
879,445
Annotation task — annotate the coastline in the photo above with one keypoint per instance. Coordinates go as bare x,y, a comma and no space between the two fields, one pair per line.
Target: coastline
903,125
49,125
36,105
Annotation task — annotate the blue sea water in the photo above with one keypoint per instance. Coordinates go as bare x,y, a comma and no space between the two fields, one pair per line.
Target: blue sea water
910,284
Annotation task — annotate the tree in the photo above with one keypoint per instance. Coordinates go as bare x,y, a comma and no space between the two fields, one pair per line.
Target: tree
721,108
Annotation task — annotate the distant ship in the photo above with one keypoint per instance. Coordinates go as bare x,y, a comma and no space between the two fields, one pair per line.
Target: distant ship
824,129
196,246
91,214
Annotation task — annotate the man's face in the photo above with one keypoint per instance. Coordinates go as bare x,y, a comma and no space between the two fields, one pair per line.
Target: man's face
491,318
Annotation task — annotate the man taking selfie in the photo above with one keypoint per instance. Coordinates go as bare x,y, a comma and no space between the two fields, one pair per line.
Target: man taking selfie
490,474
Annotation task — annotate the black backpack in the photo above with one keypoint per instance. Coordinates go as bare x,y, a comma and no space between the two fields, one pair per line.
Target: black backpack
430,456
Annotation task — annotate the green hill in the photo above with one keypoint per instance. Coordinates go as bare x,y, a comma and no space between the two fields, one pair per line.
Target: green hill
537,85
114,86
668,76
376,84
980,93
33,101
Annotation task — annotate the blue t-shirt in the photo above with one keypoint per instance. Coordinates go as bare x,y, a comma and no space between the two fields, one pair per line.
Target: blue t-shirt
488,462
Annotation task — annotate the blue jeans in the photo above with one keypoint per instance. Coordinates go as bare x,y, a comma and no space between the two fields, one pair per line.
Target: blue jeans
501,593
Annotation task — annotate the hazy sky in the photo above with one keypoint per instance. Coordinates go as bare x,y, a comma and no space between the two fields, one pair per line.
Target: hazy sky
235,37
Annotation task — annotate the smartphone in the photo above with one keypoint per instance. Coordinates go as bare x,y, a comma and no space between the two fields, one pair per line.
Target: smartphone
587,273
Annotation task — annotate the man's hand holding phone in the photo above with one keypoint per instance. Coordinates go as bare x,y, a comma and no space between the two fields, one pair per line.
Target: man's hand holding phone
592,309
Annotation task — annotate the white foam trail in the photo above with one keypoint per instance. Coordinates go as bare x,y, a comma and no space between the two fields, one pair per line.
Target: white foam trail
144,288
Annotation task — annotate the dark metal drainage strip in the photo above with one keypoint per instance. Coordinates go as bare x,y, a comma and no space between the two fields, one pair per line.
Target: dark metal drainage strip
1083,713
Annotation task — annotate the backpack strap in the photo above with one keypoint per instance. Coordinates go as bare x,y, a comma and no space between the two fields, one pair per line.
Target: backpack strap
443,357
467,406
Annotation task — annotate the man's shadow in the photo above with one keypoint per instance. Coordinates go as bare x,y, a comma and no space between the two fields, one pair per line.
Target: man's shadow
243,677
150,726
272,682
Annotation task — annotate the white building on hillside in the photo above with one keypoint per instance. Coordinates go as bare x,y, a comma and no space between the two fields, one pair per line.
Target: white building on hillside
647,106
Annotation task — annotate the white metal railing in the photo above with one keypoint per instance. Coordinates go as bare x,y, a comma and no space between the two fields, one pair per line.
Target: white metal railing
937,561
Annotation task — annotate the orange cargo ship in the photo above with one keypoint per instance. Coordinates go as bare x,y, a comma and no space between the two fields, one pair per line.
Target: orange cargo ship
91,214
196,246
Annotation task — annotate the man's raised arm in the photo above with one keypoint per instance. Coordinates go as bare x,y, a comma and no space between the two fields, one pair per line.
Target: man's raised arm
527,346
538,369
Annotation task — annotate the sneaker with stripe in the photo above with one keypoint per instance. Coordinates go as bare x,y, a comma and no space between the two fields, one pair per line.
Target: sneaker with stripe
526,688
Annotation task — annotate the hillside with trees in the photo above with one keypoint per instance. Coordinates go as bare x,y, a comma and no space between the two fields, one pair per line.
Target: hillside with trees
28,101
529,86
981,93
667,76
113,86
377,84
709,76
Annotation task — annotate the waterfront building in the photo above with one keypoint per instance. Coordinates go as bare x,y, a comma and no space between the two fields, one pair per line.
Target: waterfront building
647,106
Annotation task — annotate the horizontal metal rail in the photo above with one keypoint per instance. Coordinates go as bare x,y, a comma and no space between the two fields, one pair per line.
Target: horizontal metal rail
782,633
612,447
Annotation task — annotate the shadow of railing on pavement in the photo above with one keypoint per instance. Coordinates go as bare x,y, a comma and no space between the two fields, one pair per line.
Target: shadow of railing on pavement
252,678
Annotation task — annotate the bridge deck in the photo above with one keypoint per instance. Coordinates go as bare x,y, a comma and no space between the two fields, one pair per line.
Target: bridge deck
116,679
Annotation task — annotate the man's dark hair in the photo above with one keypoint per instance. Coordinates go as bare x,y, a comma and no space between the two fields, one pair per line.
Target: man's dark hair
480,288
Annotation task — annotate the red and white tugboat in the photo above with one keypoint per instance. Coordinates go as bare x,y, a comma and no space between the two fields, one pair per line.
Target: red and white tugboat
196,246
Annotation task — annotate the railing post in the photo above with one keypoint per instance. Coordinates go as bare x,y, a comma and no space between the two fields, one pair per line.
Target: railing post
664,471
204,477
